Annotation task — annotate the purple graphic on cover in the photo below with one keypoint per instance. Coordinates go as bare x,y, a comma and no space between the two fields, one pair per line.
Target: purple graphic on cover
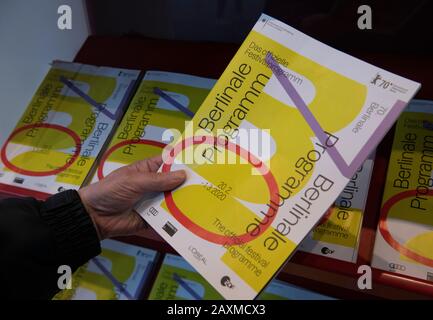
113,280
173,102
97,105
185,285
346,170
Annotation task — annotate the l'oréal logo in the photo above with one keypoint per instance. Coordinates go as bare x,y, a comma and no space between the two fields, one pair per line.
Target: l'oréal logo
197,255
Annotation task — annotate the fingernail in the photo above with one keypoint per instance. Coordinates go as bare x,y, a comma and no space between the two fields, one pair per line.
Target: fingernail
180,174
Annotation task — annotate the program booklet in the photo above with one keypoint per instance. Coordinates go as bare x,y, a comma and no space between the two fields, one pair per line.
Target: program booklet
404,237
154,118
118,273
279,290
61,133
271,148
177,280
338,233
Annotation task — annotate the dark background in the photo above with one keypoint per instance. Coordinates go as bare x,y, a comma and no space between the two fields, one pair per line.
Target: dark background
398,26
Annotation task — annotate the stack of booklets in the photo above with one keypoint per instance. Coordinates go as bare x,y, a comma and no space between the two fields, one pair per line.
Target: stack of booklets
404,237
282,136
164,101
120,272
152,121
177,280
64,128
279,290
337,235
279,137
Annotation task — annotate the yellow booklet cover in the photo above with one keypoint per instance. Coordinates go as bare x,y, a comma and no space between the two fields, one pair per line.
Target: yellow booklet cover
404,237
65,126
152,120
338,233
177,280
120,272
270,149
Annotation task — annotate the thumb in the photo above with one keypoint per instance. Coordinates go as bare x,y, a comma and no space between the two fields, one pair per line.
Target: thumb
157,181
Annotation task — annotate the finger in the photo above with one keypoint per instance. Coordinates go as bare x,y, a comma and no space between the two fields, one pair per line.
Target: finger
123,225
146,165
161,181
155,163
142,225
149,165
137,222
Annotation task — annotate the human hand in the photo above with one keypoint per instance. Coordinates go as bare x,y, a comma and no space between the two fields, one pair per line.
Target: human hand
110,201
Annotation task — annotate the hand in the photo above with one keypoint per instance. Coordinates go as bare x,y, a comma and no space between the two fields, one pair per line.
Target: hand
110,201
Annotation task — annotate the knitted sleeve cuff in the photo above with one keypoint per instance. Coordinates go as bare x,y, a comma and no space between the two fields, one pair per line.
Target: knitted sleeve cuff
75,236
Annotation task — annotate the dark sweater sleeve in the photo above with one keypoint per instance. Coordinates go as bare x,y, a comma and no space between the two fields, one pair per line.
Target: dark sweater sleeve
37,237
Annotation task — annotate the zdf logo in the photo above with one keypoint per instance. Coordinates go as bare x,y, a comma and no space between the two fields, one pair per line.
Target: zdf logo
64,22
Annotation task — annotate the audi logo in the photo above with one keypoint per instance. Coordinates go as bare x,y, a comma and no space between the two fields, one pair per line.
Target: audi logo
395,266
